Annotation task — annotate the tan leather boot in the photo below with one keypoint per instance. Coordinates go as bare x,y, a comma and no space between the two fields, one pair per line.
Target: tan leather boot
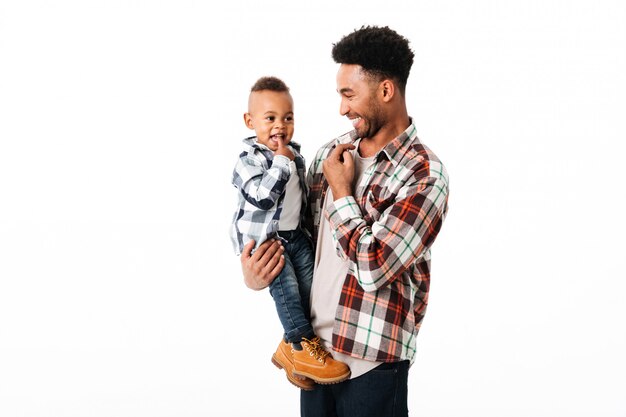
283,359
314,362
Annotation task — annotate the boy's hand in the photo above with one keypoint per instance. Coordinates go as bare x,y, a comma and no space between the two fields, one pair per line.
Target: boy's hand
284,150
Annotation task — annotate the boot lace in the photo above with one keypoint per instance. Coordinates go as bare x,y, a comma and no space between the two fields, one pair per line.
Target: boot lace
316,349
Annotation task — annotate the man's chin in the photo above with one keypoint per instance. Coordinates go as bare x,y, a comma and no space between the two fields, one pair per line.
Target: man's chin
366,132
362,133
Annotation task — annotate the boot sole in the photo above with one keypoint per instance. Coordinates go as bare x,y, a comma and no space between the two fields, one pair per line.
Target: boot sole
324,381
296,378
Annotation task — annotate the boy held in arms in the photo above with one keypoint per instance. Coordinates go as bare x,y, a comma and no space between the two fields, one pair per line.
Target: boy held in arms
270,178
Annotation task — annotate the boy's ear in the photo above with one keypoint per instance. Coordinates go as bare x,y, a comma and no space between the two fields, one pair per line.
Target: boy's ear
247,119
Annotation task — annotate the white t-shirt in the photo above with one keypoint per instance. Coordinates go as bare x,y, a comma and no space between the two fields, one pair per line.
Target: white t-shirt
329,275
290,216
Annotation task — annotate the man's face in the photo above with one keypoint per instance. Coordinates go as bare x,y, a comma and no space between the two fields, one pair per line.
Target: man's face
270,114
359,101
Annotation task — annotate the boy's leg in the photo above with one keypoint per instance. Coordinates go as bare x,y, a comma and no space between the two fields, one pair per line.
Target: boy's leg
286,294
308,357
303,259
311,360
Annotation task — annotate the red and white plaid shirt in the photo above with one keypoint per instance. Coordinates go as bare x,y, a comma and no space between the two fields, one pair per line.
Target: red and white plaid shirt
385,230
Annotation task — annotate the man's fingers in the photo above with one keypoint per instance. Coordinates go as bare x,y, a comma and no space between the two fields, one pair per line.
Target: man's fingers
276,270
272,259
347,157
265,253
261,267
260,252
273,265
337,153
344,147
245,253
269,258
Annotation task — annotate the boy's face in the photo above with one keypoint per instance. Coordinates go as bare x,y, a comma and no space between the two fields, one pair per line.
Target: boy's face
270,115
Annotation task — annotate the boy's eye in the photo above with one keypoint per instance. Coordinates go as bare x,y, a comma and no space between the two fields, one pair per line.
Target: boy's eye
289,119
270,118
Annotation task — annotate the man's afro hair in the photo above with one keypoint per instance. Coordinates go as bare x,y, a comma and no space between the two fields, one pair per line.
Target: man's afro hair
380,51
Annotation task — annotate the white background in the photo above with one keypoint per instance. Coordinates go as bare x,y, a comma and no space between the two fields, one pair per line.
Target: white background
120,122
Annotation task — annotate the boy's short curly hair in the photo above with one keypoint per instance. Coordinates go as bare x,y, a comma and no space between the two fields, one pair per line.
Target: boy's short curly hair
269,83
380,51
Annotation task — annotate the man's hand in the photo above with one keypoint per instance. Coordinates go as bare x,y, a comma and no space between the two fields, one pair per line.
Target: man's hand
260,269
284,150
338,169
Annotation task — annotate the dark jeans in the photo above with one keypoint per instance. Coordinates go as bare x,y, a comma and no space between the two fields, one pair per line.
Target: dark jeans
291,289
381,392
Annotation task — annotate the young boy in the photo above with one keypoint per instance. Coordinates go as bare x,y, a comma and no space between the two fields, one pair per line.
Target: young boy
270,177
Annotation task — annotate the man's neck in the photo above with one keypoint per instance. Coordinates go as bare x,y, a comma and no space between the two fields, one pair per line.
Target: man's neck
371,146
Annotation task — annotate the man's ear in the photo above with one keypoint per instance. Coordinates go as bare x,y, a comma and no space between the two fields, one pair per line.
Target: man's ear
247,119
388,90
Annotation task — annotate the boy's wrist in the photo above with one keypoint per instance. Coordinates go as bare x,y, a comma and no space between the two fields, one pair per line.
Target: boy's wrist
286,153
281,160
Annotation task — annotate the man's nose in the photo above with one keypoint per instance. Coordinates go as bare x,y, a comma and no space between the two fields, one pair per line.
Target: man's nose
343,107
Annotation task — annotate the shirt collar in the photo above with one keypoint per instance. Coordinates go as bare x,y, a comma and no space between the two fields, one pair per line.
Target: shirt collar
396,150
401,146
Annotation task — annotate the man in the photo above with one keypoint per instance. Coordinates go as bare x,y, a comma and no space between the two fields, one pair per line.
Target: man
377,200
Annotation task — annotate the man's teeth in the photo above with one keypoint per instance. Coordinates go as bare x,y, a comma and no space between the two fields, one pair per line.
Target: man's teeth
356,121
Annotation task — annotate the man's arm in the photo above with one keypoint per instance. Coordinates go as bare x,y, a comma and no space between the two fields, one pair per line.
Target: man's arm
260,268
401,234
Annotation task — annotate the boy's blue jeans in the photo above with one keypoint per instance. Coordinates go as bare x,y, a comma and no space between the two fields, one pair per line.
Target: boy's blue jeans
291,289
